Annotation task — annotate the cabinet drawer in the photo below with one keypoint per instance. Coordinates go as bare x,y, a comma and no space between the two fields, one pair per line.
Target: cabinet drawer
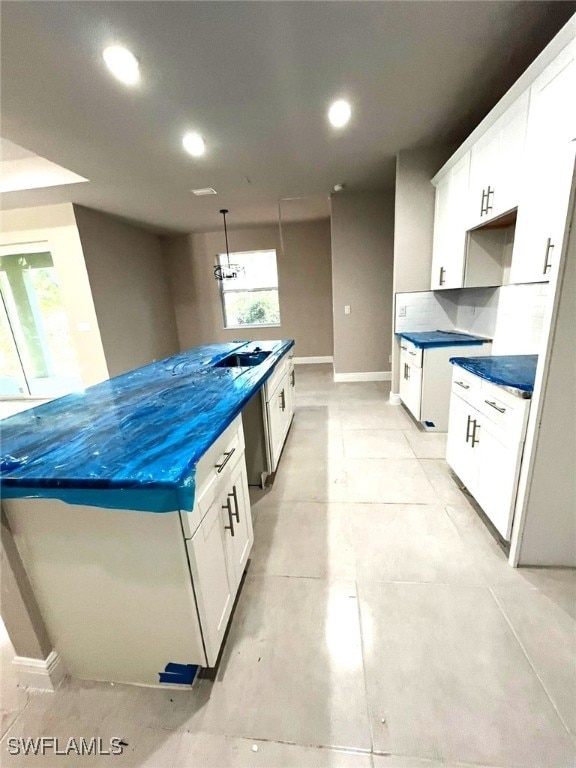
412,354
465,384
506,412
276,378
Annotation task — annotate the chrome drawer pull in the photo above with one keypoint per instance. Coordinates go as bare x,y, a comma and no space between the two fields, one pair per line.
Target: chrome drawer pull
411,353
228,454
234,496
461,384
549,247
229,508
468,435
403,347
493,405
474,438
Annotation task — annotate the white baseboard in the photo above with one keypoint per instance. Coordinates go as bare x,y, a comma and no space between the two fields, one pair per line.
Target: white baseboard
40,674
394,399
364,376
313,360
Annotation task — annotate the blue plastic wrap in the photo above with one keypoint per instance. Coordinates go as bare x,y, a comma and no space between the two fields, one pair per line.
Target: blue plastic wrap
429,339
131,442
513,371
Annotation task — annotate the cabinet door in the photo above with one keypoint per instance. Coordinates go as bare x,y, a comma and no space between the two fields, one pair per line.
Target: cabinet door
449,246
212,583
291,398
550,151
459,447
275,410
239,535
496,165
498,470
411,386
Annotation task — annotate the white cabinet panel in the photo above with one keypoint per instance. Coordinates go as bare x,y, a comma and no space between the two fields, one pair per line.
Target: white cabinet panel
212,584
237,524
498,469
449,246
550,152
459,444
495,165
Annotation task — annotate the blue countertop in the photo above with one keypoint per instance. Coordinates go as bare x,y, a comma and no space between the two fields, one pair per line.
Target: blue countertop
428,339
131,442
512,371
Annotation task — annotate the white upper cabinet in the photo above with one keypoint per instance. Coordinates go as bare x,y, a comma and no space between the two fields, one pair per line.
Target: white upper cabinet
496,162
550,152
449,247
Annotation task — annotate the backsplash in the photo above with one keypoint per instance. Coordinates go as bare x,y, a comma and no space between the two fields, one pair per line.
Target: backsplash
521,310
511,315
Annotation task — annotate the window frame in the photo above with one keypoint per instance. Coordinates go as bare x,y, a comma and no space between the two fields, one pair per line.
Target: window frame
275,288
27,248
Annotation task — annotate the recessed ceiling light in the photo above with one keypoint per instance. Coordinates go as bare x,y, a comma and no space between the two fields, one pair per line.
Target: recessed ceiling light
193,143
122,63
339,113
204,191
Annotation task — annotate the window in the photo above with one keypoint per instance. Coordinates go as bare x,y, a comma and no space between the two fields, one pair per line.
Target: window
251,299
37,356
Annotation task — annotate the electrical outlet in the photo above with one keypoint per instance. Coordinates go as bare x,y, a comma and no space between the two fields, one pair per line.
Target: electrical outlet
402,311
347,309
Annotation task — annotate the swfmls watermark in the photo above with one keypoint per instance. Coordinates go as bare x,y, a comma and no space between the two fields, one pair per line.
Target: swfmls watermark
45,745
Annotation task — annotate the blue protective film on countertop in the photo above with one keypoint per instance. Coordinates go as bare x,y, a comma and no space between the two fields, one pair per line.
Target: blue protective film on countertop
132,442
516,371
428,339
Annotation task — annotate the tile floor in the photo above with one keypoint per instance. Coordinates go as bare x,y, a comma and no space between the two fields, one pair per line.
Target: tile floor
379,625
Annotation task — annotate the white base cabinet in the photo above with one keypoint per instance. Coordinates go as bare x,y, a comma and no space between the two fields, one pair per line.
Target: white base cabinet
132,596
425,379
486,433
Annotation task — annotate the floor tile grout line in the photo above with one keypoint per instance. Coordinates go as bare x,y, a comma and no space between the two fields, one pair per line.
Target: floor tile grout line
364,675
529,660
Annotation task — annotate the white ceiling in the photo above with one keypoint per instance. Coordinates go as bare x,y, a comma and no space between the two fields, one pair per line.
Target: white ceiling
255,79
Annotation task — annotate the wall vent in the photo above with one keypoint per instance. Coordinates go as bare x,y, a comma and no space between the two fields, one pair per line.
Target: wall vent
204,191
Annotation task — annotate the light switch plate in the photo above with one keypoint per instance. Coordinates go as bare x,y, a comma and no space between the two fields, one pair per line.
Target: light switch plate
347,309
402,311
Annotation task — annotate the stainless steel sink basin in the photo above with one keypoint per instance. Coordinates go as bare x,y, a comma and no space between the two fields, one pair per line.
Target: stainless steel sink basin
242,359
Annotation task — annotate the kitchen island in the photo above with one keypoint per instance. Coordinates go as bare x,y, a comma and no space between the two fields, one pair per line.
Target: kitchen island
129,506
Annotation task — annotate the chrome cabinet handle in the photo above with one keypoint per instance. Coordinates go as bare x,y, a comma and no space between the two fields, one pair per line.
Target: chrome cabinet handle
468,423
474,440
403,347
461,384
489,204
229,508
493,405
441,281
411,353
482,210
234,496
282,400
293,378
549,247
228,454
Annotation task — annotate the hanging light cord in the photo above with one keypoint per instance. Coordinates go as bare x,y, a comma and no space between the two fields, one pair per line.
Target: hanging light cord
224,211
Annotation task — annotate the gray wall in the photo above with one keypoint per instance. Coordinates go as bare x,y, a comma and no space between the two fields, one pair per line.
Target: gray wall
362,256
413,225
304,279
130,290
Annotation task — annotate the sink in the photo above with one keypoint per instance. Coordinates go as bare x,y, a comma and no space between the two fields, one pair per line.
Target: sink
242,359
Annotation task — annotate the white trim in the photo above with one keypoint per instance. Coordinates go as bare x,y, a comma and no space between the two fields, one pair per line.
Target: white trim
313,360
40,674
363,376
395,399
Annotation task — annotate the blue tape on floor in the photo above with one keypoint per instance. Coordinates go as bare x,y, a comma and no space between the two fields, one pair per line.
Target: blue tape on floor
181,674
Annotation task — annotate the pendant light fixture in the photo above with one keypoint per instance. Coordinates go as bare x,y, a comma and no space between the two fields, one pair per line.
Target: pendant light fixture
227,271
